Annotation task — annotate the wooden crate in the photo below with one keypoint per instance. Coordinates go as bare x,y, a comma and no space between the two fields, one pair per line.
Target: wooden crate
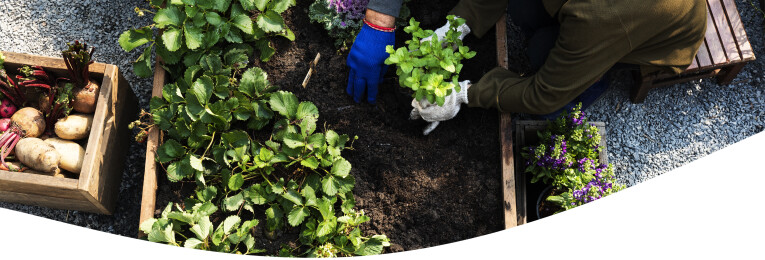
97,187
527,193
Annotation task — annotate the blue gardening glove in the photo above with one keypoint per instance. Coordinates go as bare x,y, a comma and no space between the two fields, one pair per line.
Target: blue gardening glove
366,62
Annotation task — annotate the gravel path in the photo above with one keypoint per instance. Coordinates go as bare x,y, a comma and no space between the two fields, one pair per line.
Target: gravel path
675,125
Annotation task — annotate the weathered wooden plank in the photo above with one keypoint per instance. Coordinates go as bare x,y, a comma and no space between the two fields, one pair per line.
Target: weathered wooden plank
720,19
47,201
149,192
56,64
745,48
506,137
94,159
714,44
39,185
121,108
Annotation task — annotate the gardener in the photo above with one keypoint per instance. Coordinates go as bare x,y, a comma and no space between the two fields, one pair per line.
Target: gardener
572,44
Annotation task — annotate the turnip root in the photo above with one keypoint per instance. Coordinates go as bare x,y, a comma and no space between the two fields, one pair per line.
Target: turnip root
72,154
38,155
74,127
30,120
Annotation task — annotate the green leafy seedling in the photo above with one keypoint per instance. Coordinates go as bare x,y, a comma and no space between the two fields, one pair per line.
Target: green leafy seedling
430,68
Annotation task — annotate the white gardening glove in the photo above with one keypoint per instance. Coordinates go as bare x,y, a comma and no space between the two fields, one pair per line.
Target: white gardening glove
434,113
441,32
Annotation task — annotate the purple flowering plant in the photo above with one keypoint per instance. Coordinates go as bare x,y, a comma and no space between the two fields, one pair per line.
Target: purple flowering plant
567,158
343,18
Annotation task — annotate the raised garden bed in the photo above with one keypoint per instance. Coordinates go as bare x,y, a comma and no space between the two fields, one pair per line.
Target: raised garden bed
420,191
96,188
527,193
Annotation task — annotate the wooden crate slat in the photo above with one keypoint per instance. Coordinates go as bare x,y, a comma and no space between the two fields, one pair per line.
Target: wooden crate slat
149,192
703,55
714,45
745,49
724,30
39,184
509,189
50,62
79,204
694,64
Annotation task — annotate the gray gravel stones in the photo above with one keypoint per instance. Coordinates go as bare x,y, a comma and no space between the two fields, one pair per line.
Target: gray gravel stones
675,125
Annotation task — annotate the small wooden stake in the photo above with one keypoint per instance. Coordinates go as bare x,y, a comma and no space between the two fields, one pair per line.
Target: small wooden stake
310,70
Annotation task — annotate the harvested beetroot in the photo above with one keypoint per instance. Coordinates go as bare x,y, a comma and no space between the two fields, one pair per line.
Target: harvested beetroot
7,108
30,121
5,123
77,59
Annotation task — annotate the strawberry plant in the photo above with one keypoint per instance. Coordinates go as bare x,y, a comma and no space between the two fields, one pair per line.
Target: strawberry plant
431,68
292,177
191,28
253,151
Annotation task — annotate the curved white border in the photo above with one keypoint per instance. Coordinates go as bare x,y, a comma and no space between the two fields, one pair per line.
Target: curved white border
709,209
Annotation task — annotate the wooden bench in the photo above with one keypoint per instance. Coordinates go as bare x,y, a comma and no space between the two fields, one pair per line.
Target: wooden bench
723,54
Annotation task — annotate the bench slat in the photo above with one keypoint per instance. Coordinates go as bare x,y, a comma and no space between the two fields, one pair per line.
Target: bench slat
724,30
703,56
745,49
693,65
715,47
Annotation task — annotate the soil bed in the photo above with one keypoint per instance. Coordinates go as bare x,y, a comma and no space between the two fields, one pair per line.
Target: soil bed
420,191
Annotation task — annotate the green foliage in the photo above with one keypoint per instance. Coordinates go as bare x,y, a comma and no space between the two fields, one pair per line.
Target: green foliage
568,158
291,177
430,68
191,29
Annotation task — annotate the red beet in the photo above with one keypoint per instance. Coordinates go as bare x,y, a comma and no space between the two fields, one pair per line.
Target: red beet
7,109
4,124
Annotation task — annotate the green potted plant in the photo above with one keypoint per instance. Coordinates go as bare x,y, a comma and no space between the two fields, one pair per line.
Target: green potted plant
567,158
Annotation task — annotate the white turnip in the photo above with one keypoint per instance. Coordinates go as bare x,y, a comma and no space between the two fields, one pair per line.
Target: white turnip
38,155
74,127
72,154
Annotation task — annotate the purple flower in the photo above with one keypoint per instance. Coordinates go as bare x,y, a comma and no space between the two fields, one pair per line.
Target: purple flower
353,9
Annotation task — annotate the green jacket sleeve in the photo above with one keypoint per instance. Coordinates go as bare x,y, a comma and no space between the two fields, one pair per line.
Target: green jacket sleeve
583,52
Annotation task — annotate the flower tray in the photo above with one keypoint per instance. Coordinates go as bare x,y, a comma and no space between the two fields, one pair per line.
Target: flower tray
527,193
97,187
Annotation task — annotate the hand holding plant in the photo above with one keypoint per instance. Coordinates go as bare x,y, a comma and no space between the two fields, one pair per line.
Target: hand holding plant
427,67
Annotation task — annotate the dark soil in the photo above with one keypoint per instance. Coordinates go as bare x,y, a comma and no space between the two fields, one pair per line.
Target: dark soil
545,207
420,191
